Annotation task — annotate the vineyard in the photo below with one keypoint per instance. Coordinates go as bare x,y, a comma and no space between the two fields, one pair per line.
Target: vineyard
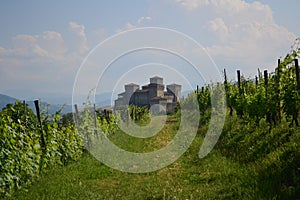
262,126
29,147
261,135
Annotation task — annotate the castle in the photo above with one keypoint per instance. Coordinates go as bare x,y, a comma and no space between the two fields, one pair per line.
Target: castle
152,95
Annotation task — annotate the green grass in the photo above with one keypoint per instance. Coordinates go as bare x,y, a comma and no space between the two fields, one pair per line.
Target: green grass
217,176
212,178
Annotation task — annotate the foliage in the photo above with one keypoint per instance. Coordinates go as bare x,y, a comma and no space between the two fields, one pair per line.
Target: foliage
20,151
22,158
259,130
270,97
139,114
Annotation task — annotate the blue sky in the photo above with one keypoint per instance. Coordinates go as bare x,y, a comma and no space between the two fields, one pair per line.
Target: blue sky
43,43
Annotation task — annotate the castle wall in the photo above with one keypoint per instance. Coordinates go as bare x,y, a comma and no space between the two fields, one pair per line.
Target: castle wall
152,94
155,90
140,98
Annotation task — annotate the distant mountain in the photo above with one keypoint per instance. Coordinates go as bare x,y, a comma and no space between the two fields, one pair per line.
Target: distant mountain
49,97
102,99
50,108
4,100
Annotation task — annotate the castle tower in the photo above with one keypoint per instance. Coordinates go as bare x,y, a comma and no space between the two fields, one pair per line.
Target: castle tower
176,90
124,98
156,80
156,87
131,88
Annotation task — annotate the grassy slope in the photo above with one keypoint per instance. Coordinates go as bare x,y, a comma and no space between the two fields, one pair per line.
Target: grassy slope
187,178
215,177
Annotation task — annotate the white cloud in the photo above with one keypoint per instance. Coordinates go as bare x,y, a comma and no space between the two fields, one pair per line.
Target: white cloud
44,58
80,37
193,4
27,46
141,20
139,23
129,26
219,28
240,32
239,11
230,5
48,45
53,43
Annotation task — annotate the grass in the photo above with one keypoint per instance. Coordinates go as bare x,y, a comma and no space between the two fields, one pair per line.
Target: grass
211,178
214,177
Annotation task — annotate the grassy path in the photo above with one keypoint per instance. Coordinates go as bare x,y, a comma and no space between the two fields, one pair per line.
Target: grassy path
214,177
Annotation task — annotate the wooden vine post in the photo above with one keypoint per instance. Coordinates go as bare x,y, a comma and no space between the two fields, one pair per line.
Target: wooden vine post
278,64
298,88
259,74
268,115
76,114
256,80
25,114
239,78
297,74
95,121
37,108
227,95
266,77
225,77
278,89
241,91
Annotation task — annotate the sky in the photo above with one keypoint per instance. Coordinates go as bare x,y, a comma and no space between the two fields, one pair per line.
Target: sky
44,44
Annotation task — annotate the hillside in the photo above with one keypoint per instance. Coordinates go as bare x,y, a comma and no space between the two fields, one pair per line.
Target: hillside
238,173
51,108
4,100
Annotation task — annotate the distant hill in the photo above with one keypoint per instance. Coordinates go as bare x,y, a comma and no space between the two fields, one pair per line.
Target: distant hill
52,103
5,99
51,108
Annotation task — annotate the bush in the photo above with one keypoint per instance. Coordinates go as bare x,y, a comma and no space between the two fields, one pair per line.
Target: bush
22,158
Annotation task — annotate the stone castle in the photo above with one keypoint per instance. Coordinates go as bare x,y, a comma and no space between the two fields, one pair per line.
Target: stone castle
152,96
